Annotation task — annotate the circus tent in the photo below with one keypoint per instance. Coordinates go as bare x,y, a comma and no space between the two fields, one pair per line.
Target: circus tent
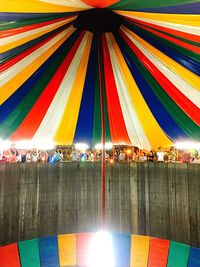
57,56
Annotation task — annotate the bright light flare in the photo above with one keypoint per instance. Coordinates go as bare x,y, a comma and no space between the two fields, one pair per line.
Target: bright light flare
81,146
107,146
39,144
128,151
187,145
4,145
101,251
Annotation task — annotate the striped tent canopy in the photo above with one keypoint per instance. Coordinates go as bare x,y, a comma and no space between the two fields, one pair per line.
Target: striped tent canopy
77,250
53,72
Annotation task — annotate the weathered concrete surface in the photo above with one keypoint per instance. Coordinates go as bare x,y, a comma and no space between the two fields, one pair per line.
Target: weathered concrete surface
40,199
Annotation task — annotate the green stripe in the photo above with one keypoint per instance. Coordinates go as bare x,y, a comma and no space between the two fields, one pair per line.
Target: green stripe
135,4
7,25
178,255
16,117
29,253
189,54
184,122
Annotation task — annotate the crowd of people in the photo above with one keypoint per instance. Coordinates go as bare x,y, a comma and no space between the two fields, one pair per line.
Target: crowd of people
117,154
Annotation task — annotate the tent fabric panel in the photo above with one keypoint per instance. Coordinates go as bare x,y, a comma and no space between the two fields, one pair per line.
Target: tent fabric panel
67,127
158,252
117,125
178,254
121,248
166,122
136,5
83,247
29,253
187,8
48,248
194,257
9,256
67,250
139,250
84,127
154,133
30,124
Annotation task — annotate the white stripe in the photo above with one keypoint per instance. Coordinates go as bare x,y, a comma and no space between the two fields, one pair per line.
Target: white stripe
52,118
133,125
19,36
183,28
10,73
68,3
190,92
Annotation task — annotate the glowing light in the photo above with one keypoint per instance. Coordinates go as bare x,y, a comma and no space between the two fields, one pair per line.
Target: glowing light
101,251
187,145
111,161
24,145
39,144
128,151
4,145
107,146
81,146
44,145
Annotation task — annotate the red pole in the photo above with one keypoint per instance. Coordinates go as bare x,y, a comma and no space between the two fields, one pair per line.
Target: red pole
103,161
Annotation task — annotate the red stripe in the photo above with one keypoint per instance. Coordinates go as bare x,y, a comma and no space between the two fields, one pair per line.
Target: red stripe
181,100
187,36
158,252
190,47
34,118
117,125
11,32
9,256
83,241
22,55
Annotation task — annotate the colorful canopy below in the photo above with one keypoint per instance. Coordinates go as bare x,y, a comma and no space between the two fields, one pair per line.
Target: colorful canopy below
53,74
76,250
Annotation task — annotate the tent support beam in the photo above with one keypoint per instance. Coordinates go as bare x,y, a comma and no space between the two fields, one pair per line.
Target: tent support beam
103,136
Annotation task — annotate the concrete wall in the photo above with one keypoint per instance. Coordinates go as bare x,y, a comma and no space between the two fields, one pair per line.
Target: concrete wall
40,199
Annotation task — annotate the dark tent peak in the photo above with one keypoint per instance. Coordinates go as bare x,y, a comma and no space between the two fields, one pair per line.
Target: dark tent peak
98,20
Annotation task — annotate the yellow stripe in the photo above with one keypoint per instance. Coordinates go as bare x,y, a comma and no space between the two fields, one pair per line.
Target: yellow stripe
30,6
10,87
185,74
189,20
67,127
24,40
139,251
154,133
67,249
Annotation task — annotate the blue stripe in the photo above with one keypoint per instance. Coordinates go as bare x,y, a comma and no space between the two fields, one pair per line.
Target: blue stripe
10,104
10,16
194,258
187,62
84,127
166,122
190,8
121,249
48,247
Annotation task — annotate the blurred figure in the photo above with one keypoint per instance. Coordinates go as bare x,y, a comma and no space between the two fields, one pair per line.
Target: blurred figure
122,156
151,156
185,157
160,154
